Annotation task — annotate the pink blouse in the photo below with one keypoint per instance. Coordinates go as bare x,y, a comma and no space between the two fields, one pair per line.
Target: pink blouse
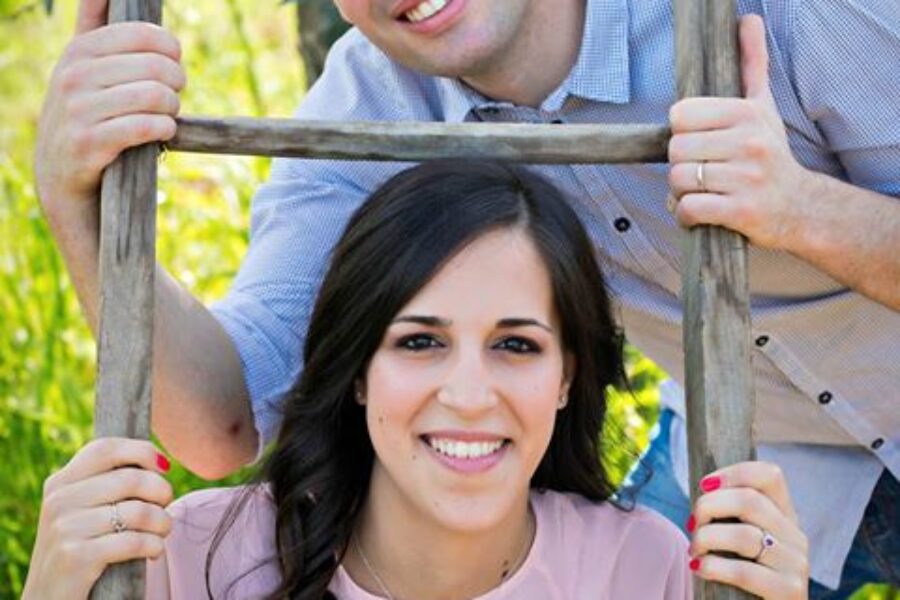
581,550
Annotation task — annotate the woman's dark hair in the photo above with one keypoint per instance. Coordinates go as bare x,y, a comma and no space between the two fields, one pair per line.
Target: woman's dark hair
394,245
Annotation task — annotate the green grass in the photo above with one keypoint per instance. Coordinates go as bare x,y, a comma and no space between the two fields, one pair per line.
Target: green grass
47,356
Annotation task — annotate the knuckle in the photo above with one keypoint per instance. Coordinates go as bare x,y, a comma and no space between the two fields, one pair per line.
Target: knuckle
756,147
677,151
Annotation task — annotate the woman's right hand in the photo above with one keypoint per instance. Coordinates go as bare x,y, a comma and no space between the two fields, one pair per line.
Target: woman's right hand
115,87
77,537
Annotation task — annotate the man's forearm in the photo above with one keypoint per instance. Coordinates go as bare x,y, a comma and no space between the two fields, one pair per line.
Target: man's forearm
853,235
200,407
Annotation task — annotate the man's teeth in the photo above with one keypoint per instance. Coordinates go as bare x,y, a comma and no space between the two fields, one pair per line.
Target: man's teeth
424,10
458,449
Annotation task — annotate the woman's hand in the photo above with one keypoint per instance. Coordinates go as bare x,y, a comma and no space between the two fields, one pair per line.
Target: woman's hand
773,551
107,505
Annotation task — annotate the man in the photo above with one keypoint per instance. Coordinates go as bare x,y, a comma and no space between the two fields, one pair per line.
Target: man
807,171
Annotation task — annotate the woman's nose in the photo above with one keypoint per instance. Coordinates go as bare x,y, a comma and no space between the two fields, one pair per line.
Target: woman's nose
467,386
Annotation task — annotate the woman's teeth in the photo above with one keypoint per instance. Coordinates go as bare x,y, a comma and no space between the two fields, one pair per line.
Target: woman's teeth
457,449
426,9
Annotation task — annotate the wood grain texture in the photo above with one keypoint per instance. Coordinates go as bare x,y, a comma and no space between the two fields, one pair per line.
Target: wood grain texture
420,141
715,285
127,262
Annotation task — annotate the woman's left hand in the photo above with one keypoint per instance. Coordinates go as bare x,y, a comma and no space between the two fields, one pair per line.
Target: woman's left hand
773,551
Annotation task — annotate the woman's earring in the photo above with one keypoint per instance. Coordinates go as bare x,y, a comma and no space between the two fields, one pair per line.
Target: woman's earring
563,401
360,397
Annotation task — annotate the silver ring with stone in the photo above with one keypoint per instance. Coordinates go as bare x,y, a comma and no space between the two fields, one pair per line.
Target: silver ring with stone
766,543
118,524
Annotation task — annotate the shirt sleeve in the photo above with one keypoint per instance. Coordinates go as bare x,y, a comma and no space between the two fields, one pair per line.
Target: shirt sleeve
845,57
296,221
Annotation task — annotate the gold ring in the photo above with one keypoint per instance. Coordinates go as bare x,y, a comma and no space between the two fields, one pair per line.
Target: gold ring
701,176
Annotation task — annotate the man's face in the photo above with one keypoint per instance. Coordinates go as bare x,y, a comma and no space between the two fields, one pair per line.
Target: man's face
450,38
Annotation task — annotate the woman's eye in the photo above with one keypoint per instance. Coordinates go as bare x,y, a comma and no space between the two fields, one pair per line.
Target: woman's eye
419,341
518,345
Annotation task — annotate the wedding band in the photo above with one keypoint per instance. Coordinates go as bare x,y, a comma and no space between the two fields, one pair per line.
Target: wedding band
701,176
766,543
118,524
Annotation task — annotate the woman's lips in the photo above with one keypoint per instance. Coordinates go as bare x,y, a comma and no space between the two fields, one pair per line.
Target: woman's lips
467,452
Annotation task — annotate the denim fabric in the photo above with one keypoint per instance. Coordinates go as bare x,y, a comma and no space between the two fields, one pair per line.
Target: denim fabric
874,556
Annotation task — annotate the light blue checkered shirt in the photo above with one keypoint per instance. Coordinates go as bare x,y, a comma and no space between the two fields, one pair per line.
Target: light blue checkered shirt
836,77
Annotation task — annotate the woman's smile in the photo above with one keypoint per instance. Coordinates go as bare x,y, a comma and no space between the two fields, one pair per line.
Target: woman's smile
466,452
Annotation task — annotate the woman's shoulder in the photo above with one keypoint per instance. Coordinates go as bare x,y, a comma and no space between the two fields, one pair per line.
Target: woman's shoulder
634,552
236,524
567,512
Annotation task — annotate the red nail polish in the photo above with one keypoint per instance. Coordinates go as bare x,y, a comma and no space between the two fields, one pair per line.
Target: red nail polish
162,462
711,483
691,524
694,564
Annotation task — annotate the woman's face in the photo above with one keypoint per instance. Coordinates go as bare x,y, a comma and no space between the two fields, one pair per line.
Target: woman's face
461,395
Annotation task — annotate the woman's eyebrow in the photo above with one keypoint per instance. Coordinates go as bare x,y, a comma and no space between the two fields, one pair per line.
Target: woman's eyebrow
522,322
423,320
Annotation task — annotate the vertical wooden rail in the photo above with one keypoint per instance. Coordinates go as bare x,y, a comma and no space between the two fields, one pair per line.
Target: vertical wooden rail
127,263
715,284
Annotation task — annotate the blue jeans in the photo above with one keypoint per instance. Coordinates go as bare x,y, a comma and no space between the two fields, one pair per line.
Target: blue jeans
874,556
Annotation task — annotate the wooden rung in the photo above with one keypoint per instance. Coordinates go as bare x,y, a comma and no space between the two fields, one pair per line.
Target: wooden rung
416,141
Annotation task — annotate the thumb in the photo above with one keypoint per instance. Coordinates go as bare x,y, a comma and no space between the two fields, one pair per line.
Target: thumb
754,58
91,15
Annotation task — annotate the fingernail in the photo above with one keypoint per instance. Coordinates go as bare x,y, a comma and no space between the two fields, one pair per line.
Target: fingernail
162,462
691,524
711,483
694,564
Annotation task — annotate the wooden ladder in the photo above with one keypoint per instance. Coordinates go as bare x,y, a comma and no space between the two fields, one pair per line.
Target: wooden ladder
715,291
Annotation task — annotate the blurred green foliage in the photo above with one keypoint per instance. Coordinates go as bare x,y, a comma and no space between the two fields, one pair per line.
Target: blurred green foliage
241,60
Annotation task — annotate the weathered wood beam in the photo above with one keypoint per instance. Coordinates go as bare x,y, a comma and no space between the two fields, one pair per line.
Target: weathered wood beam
127,262
416,141
715,284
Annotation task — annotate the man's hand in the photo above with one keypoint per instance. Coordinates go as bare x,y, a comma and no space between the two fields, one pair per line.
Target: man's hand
751,178
116,86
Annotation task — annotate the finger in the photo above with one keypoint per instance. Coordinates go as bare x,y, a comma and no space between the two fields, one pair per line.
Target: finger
117,69
752,577
718,177
104,454
121,547
707,114
98,520
126,38
147,97
122,484
747,541
765,477
100,145
706,209
717,145
751,507
91,15
754,58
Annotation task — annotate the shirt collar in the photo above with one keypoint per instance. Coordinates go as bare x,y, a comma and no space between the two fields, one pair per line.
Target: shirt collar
601,71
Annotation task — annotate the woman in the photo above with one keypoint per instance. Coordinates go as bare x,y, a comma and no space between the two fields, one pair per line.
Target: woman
442,441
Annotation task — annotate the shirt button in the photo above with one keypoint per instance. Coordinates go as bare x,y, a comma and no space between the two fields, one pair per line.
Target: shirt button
877,443
762,340
825,397
622,224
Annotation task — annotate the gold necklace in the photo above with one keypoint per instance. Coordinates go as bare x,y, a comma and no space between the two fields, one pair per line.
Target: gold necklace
387,593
